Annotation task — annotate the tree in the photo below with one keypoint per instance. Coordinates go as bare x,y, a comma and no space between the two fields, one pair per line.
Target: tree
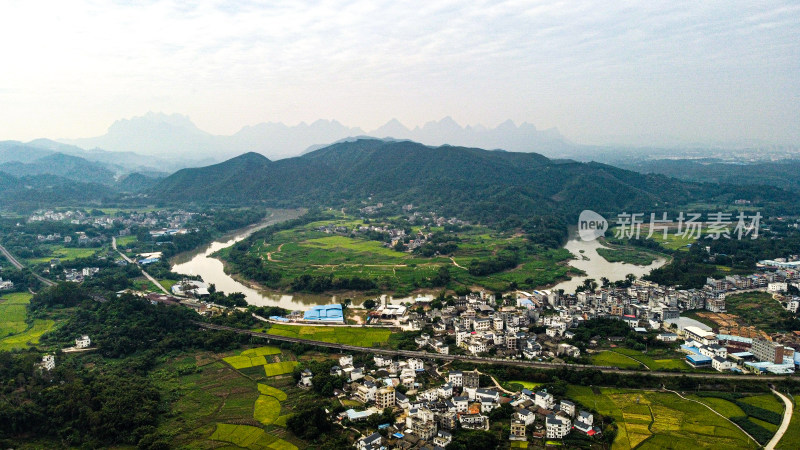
369,303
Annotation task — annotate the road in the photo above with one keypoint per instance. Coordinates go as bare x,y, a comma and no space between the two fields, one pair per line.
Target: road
146,275
497,361
787,417
14,262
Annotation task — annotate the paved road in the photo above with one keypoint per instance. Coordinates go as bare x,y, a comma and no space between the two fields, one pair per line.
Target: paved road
787,417
497,361
19,266
147,275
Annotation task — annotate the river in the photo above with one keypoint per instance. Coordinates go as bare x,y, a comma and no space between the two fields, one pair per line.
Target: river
595,266
201,262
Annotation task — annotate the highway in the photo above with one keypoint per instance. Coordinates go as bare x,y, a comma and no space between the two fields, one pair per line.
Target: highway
497,361
19,266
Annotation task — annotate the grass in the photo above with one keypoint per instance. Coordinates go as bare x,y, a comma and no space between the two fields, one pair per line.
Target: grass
791,440
124,241
167,283
305,251
251,358
15,332
13,311
621,357
627,255
279,368
673,241
28,337
765,401
206,404
65,254
756,308
722,406
526,384
363,337
647,419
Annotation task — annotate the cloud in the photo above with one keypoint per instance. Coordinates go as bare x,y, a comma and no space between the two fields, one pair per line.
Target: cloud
478,61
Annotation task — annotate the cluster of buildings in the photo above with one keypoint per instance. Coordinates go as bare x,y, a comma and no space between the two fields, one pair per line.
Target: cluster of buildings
429,412
735,353
78,275
6,285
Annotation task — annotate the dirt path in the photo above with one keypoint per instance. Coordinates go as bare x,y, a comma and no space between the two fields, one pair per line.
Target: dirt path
269,255
457,264
715,412
787,417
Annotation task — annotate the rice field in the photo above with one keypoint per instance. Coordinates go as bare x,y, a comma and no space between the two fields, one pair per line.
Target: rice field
267,409
246,436
251,358
271,391
279,368
648,419
363,337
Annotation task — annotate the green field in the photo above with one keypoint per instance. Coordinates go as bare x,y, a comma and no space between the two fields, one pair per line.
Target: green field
274,392
305,251
628,255
757,308
14,330
279,368
765,401
206,404
363,337
673,241
791,440
526,384
245,436
267,409
647,419
124,241
13,311
64,254
624,359
261,351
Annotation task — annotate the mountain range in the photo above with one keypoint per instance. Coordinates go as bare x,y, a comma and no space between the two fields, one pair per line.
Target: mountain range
176,136
470,183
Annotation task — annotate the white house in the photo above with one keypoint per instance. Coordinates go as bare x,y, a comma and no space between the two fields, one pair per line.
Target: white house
584,422
721,364
462,403
48,362
567,407
83,342
370,442
544,400
455,378
557,427
346,360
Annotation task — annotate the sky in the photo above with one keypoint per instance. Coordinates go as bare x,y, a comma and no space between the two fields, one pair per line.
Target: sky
601,72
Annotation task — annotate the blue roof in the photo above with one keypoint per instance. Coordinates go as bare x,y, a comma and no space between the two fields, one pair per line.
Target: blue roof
325,313
698,359
279,318
691,349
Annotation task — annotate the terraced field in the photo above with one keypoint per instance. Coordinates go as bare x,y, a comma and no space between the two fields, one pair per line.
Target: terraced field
647,419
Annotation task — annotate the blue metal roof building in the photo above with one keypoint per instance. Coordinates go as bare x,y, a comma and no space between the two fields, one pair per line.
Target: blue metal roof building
698,360
325,313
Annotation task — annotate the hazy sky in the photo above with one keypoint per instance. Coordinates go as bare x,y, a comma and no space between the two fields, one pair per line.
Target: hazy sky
599,71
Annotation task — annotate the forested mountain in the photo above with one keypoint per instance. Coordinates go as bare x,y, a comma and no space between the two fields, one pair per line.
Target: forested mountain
784,173
471,183
70,167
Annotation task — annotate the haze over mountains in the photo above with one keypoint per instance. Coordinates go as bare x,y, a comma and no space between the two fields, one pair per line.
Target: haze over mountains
176,136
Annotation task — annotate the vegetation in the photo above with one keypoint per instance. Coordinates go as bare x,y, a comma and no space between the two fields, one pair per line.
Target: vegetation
760,310
364,337
652,419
